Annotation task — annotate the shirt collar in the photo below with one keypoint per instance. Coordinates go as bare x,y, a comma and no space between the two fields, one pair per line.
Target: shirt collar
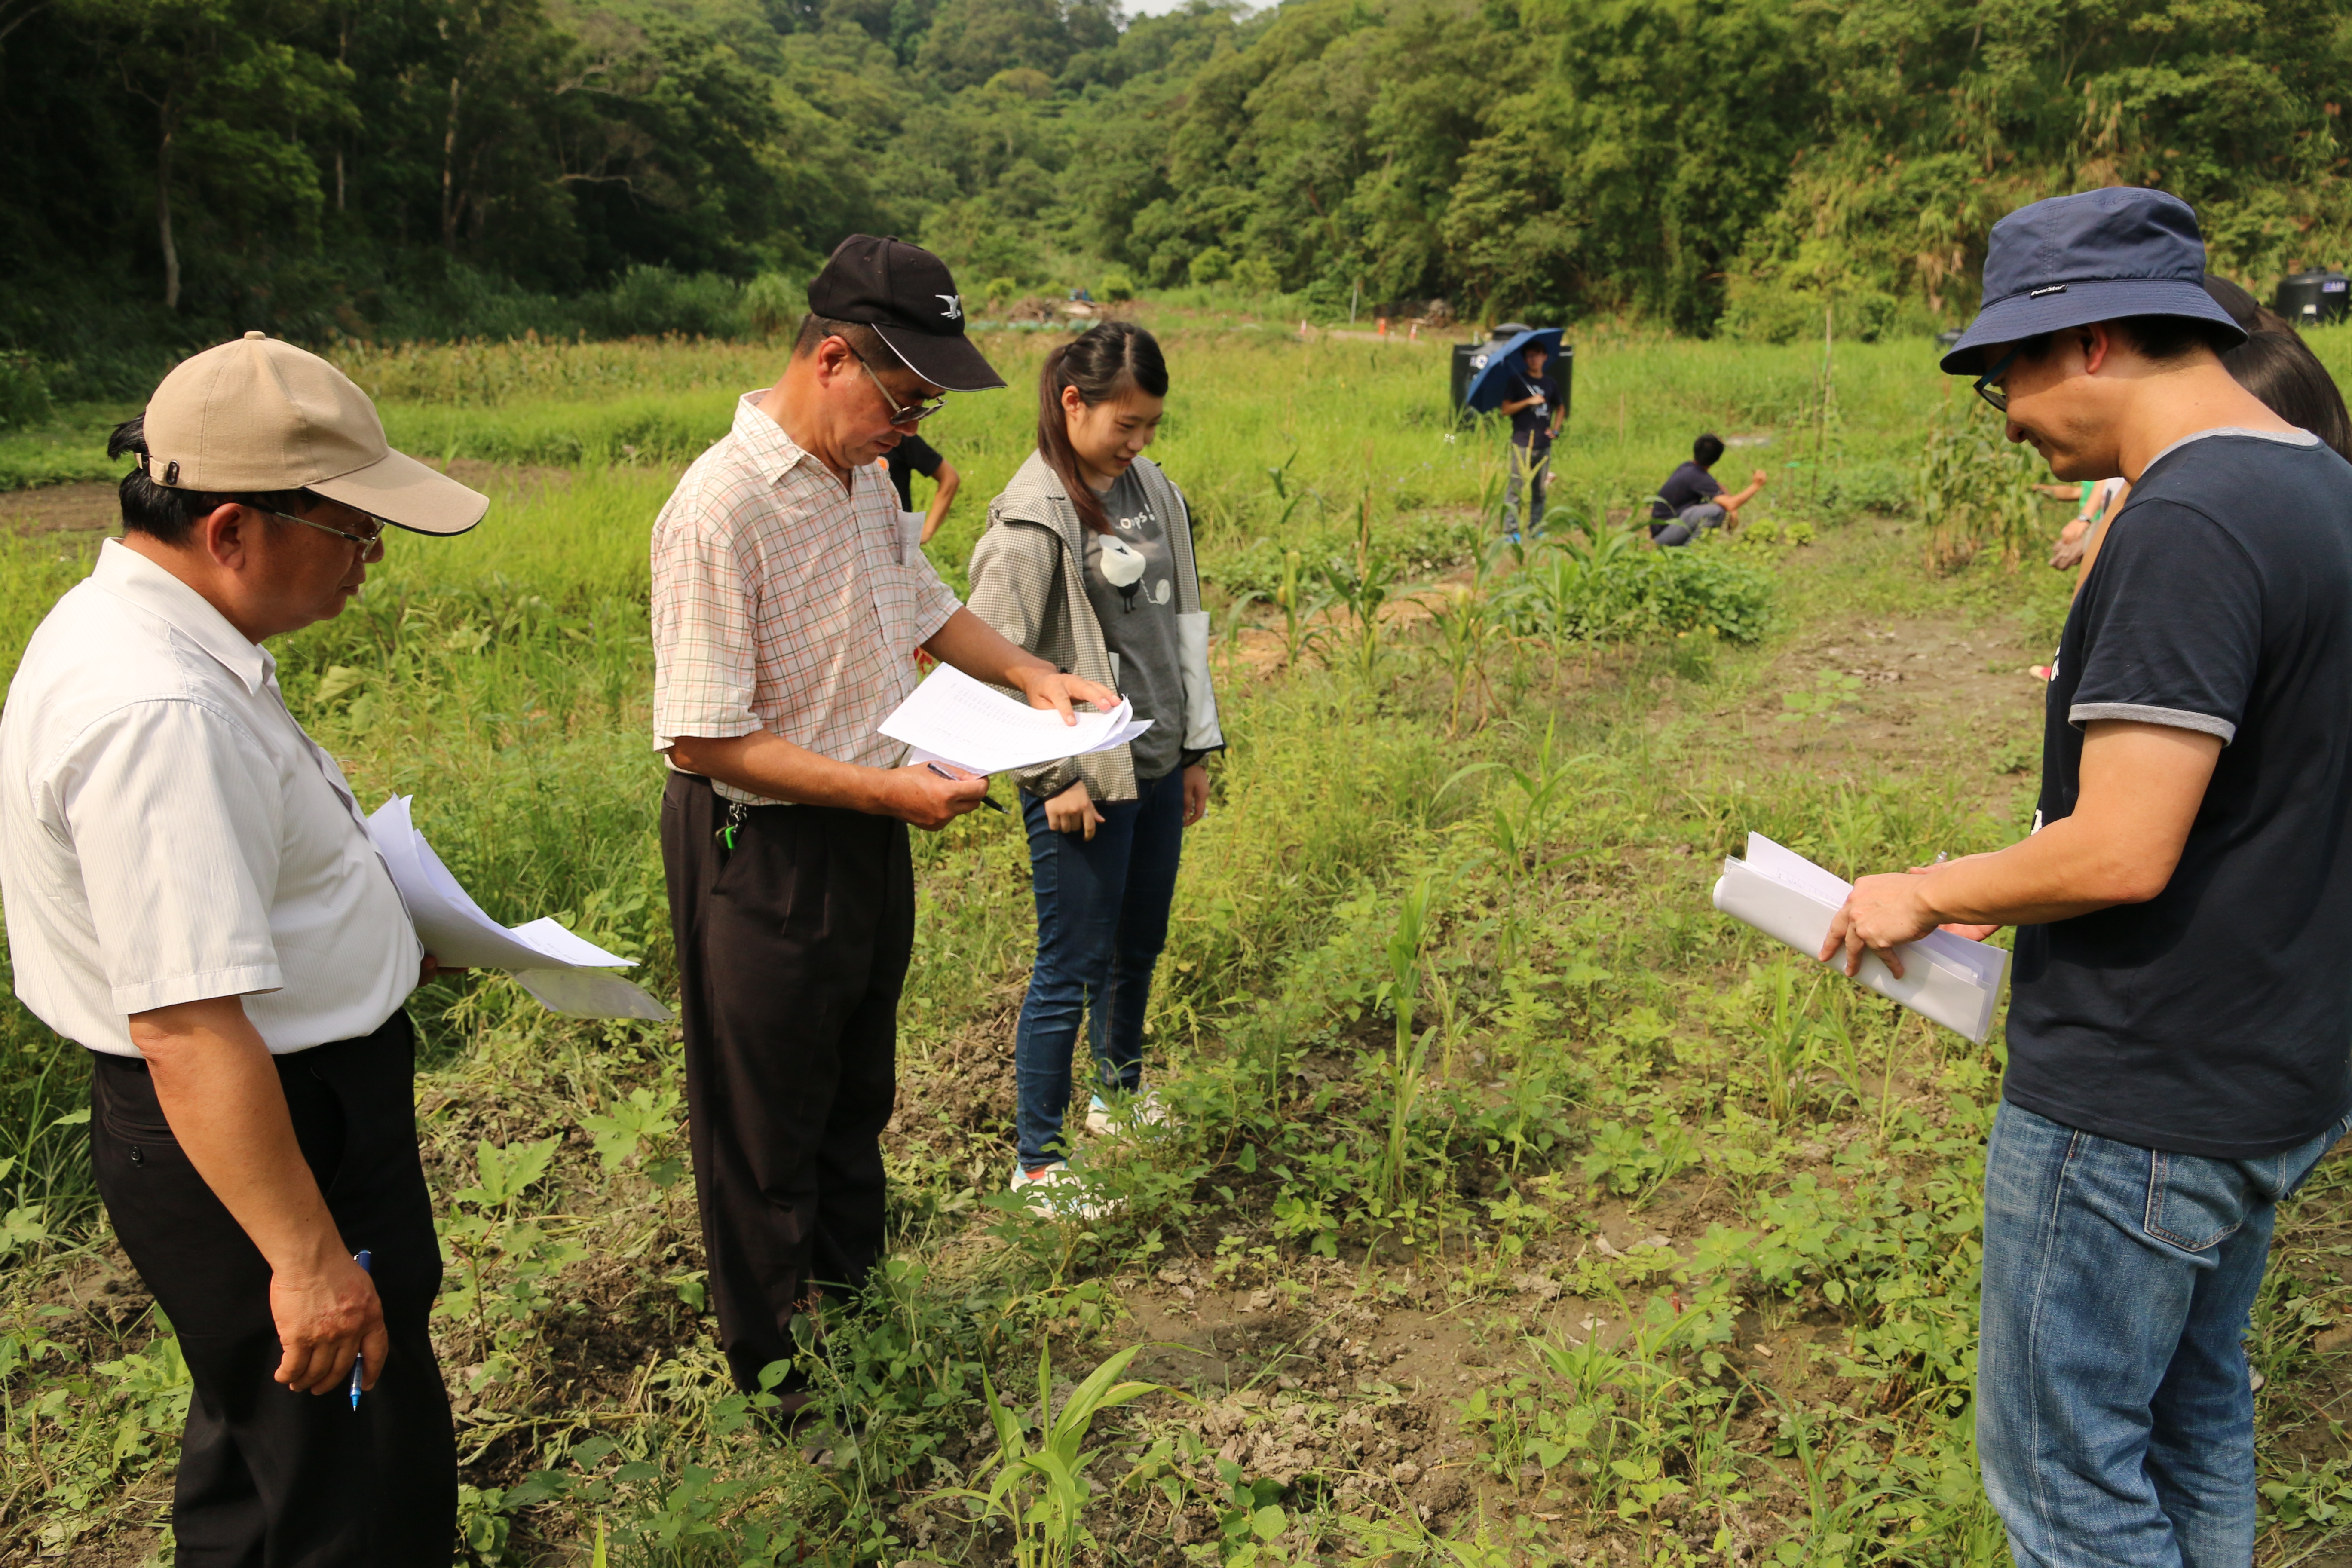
132,577
776,453
2298,438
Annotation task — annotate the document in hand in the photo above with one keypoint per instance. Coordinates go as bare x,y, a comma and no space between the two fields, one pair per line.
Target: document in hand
565,972
951,718
1946,978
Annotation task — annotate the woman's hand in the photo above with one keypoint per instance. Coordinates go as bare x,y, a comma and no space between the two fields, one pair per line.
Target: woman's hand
1073,811
2068,551
1196,794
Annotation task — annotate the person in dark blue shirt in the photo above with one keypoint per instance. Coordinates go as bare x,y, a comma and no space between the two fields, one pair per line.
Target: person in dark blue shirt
1692,499
912,456
1537,411
2178,1024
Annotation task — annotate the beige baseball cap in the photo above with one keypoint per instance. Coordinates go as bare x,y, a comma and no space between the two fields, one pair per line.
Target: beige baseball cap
261,414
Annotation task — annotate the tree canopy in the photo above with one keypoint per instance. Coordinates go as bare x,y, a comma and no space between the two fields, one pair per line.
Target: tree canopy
180,168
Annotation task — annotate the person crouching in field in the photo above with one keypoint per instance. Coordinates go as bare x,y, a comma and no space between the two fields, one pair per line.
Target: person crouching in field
191,895
788,602
1692,500
1088,562
2177,1031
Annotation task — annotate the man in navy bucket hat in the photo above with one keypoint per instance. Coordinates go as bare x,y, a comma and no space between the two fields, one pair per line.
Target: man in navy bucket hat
2180,1025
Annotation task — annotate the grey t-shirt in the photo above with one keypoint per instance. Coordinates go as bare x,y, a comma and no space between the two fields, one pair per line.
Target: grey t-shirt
1131,583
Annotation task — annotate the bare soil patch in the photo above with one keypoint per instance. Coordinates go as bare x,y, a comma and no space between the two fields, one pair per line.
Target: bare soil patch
92,508
61,509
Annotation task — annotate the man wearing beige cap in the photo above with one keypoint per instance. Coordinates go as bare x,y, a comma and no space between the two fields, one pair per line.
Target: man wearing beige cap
191,895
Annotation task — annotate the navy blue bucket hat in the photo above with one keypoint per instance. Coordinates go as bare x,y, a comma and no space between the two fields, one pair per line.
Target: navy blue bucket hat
2098,257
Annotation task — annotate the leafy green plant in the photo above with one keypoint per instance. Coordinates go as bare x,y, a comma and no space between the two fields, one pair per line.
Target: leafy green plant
1041,1487
1467,635
1415,921
1825,702
1298,605
1363,587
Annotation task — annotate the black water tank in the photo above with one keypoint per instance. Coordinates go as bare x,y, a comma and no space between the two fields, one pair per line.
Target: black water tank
1463,353
2308,298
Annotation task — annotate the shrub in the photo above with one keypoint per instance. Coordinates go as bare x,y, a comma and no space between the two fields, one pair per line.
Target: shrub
24,392
999,291
773,303
1612,591
1213,264
1255,275
1769,310
1880,488
1975,493
647,301
1687,590
1115,287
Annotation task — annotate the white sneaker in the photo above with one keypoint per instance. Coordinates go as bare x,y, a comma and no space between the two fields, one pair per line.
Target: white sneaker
1139,1112
1056,1189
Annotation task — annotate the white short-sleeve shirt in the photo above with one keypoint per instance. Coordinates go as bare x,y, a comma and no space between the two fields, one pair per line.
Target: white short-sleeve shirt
169,833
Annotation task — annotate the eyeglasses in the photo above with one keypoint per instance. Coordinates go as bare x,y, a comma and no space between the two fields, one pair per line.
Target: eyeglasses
1996,395
899,413
371,543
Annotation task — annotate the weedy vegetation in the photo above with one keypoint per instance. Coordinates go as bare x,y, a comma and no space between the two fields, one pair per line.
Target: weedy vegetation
1515,1208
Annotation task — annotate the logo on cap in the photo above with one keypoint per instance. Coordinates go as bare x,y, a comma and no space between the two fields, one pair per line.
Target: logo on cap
2052,288
954,312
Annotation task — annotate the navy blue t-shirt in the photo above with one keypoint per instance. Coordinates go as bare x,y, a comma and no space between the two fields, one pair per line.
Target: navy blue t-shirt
2216,1018
1685,486
1535,419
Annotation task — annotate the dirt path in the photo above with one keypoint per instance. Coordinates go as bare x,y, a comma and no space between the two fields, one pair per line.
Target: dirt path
1936,697
94,508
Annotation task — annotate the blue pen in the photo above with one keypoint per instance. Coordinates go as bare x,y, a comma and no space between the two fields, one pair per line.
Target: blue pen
359,1362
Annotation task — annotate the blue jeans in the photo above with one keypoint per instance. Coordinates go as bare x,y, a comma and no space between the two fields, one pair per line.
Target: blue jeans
1102,919
2115,1424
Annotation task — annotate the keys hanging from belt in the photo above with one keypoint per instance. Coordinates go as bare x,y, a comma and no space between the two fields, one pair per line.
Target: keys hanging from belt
736,812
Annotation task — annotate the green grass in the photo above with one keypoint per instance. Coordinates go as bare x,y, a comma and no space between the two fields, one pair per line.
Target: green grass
1510,828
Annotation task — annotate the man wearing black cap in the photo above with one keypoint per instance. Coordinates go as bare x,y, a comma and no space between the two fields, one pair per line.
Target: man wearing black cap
2178,1028
787,606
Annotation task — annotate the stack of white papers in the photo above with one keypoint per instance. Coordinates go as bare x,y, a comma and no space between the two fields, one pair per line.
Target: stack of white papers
1946,978
563,971
951,718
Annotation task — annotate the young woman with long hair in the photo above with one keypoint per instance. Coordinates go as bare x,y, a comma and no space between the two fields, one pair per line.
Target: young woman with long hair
1088,562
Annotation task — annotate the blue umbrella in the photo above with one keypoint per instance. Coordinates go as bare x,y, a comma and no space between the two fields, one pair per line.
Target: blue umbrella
1495,367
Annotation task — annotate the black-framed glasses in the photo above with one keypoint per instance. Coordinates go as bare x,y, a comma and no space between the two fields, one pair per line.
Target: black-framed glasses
370,541
899,413
1996,395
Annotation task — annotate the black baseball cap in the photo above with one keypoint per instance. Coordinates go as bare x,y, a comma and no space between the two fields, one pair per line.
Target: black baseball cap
2099,255
905,294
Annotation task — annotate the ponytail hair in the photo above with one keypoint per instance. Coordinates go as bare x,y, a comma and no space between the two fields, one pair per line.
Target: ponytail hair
1101,363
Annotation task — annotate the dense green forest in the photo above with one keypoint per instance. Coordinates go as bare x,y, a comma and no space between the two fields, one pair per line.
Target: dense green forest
180,168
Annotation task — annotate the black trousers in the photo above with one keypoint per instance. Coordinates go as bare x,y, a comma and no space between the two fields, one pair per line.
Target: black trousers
269,1478
792,950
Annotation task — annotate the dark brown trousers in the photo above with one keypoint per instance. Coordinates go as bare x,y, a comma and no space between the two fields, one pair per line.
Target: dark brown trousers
792,950
269,1478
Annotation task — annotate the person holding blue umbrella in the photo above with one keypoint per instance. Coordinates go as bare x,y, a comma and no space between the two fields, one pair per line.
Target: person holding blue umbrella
1536,410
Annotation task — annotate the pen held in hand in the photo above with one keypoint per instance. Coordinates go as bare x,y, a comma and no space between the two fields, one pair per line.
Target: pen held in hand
359,1362
984,800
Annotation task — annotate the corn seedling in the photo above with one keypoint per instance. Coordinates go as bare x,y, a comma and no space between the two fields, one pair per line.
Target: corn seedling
1407,942
1041,1487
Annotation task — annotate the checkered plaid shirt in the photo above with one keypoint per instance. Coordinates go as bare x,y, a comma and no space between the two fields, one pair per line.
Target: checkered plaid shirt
781,602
